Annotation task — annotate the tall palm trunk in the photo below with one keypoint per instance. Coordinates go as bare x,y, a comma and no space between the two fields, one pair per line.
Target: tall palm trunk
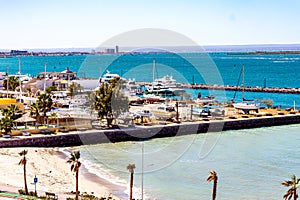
131,185
214,193
295,194
77,185
131,168
213,177
45,118
25,182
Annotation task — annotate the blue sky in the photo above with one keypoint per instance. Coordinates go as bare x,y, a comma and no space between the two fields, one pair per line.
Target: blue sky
88,23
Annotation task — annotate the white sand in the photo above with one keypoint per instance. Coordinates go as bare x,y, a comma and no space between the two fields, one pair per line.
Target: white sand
53,173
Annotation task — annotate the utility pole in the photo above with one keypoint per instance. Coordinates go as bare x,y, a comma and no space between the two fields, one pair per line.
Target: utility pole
191,112
177,113
45,68
142,170
7,81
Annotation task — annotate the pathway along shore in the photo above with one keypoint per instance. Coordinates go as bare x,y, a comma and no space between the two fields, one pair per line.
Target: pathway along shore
140,133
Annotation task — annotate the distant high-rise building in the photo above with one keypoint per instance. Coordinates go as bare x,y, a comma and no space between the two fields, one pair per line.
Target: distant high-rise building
18,53
117,49
109,51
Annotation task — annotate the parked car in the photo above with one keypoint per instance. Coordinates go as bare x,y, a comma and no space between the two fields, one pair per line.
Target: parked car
46,131
25,133
6,135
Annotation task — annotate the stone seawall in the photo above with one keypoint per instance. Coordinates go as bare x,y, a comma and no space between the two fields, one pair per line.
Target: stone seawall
146,133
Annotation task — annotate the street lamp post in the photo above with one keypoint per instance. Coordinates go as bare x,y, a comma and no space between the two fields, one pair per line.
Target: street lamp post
35,180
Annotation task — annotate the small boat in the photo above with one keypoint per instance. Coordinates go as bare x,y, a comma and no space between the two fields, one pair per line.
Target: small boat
143,113
164,111
207,99
107,77
246,105
23,78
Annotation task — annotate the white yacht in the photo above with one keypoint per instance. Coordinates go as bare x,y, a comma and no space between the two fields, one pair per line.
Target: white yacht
107,77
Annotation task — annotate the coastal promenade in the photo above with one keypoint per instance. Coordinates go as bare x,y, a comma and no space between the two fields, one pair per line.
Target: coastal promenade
140,133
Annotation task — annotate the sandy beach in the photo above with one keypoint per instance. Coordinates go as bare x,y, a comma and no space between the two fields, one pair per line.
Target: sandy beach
53,173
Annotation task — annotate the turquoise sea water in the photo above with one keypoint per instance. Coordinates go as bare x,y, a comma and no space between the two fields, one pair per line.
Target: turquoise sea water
214,68
251,164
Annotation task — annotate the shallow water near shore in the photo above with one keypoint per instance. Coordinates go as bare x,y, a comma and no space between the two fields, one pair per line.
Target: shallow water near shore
253,162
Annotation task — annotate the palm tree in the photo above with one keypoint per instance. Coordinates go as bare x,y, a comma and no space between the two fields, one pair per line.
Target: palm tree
5,112
34,111
75,165
131,168
10,113
50,89
74,88
109,101
6,124
213,177
23,162
44,103
29,92
292,192
53,117
14,111
13,83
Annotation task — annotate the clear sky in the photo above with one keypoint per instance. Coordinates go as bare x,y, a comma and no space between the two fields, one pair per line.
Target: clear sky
88,23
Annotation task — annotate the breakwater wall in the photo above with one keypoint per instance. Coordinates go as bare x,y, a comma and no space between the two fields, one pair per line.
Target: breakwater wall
238,88
146,133
247,89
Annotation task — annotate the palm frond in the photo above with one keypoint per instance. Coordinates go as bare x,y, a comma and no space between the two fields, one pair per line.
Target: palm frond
72,167
288,194
287,183
212,176
293,188
131,168
74,161
23,153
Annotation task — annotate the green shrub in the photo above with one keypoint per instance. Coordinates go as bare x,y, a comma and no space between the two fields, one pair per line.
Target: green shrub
32,193
21,191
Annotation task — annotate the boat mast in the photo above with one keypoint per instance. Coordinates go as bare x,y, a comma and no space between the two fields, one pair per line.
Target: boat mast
7,81
243,81
238,83
142,171
19,72
19,64
45,67
153,71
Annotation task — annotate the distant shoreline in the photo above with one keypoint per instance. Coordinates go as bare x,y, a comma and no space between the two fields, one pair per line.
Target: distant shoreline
247,48
264,52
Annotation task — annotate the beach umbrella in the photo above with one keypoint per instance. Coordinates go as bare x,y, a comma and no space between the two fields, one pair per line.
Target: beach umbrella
25,119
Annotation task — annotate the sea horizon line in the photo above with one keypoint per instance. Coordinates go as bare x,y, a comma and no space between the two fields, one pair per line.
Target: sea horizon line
221,47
